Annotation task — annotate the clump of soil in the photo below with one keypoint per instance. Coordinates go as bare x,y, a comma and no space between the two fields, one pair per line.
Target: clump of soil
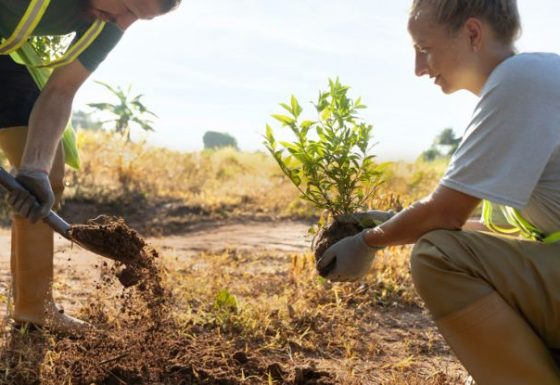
112,238
329,235
334,232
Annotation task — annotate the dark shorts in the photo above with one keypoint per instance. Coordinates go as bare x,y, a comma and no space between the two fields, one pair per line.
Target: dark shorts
18,93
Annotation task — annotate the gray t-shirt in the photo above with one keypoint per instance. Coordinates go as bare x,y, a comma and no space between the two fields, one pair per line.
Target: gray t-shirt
510,152
63,17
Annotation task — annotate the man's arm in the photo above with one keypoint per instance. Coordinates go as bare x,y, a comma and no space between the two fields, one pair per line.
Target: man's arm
48,119
50,116
445,208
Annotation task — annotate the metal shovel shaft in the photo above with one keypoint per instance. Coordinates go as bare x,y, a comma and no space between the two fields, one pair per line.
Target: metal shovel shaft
53,219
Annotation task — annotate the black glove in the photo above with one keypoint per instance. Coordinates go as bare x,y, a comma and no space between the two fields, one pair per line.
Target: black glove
36,199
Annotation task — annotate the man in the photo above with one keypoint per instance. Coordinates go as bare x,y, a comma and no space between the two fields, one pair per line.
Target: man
32,122
495,299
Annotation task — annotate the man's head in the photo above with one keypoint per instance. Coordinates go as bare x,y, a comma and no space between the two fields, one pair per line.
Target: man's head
125,12
459,42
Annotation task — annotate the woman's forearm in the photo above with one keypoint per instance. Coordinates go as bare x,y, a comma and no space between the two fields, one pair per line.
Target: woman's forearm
444,209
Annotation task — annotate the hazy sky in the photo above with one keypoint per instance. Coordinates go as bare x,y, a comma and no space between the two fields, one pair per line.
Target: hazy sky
224,65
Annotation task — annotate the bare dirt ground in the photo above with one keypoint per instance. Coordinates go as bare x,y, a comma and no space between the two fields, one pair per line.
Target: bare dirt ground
408,348
79,265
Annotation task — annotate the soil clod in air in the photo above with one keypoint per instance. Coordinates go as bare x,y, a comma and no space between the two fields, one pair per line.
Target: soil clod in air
112,238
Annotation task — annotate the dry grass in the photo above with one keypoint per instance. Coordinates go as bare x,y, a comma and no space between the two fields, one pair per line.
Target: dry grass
268,307
225,178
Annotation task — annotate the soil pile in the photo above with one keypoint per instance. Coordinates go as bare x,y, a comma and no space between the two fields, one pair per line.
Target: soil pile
145,343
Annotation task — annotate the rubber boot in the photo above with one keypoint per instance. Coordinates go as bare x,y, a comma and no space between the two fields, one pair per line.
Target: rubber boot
32,274
497,346
32,252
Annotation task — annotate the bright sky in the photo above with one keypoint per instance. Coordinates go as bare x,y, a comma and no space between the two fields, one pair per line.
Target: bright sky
224,65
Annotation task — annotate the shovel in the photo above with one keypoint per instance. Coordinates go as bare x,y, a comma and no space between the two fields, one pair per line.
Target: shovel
128,276
54,221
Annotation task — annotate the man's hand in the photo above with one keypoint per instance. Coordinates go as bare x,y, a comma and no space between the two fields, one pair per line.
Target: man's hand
347,260
36,199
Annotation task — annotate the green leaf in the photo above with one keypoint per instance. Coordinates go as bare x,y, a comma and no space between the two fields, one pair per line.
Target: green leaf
296,108
331,169
287,108
307,124
286,120
270,135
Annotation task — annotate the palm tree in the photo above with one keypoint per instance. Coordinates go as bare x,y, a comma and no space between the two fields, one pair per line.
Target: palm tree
129,109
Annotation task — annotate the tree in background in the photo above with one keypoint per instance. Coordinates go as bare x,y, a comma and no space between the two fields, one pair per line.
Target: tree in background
445,144
128,110
214,139
83,120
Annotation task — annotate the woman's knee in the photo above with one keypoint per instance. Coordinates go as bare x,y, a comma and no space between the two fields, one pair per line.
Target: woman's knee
430,262
423,261
445,273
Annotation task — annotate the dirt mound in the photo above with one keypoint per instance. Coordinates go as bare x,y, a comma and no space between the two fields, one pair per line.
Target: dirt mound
149,348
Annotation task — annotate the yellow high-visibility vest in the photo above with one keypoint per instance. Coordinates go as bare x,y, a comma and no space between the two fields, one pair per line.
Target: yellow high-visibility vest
29,22
519,225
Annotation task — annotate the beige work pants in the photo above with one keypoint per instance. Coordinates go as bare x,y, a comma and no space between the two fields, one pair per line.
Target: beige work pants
460,273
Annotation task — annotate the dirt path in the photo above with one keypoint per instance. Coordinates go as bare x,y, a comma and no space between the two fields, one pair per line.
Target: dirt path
287,236
78,267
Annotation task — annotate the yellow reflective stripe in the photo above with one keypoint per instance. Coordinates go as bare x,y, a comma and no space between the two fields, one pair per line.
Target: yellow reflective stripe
520,224
25,27
526,228
552,238
77,48
488,222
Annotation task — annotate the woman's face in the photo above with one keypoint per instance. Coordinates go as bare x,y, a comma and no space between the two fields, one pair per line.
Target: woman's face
441,55
124,12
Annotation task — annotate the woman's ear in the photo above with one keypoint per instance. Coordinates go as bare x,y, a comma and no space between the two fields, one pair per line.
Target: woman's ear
474,31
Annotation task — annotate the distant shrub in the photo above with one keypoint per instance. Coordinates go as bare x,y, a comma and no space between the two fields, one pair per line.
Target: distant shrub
214,139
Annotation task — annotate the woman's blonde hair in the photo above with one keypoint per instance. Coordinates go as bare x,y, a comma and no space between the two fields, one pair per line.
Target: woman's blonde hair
502,15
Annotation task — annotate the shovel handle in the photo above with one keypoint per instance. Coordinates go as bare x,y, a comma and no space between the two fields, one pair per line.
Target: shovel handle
54,221
8,181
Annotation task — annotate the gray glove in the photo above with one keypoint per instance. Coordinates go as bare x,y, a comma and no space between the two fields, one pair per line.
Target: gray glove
347,260
35,200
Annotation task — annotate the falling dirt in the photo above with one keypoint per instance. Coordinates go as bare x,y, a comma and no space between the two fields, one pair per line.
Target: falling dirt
112,238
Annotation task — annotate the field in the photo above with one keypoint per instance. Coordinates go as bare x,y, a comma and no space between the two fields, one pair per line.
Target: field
241,302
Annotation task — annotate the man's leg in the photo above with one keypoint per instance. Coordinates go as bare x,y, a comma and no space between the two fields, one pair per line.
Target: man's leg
496,302
33,250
